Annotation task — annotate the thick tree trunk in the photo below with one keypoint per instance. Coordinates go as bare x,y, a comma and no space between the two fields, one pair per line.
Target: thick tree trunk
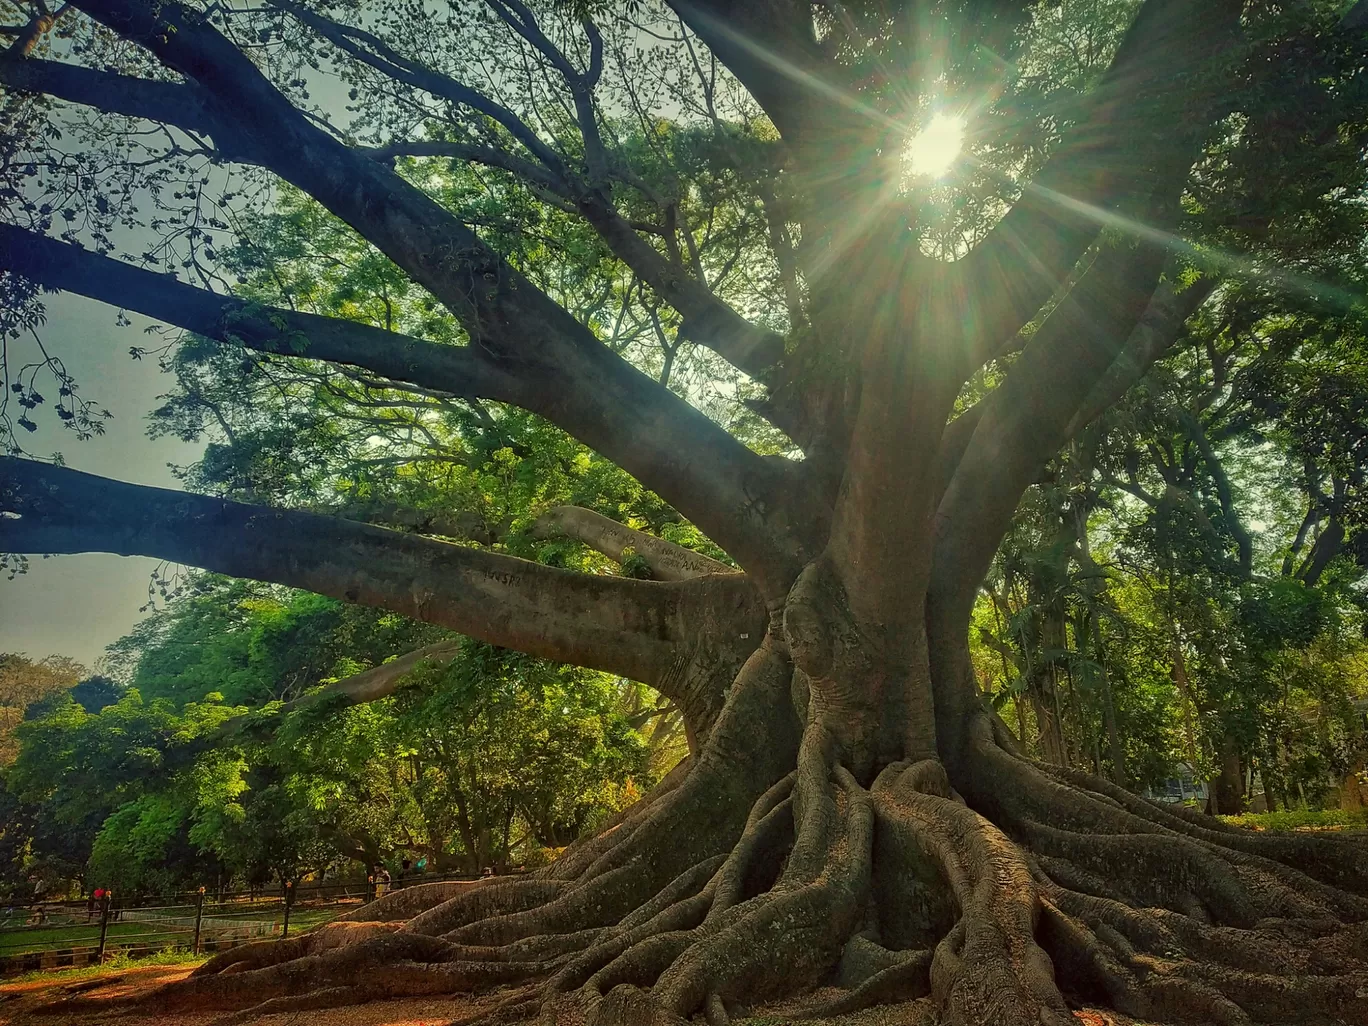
1115,750
1045,705
1352,791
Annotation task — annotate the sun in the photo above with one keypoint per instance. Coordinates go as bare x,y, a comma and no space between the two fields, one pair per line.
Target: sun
931,152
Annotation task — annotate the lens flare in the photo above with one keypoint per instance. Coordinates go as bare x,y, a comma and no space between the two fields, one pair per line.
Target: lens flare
931,152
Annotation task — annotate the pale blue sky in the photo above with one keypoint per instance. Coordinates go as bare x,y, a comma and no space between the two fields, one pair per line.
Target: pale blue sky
76,605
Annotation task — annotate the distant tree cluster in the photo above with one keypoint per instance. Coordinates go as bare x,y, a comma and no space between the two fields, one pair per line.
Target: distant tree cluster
487,760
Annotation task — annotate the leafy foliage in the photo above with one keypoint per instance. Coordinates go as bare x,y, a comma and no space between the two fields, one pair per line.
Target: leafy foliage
482,762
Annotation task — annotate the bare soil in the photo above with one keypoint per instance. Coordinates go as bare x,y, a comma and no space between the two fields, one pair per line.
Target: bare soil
21,1004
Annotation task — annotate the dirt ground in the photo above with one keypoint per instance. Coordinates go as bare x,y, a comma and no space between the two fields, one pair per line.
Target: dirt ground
21,1004
18,1002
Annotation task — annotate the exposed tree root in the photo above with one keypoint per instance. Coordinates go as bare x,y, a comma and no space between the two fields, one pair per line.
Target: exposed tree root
988,968
1038,890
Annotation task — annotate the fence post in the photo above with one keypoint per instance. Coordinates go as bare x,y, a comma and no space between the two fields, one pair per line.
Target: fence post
199,919
104,926
289,896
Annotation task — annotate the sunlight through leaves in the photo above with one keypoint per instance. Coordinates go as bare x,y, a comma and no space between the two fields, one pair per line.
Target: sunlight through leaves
932,151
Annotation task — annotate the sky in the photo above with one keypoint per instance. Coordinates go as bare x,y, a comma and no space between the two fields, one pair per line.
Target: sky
76,605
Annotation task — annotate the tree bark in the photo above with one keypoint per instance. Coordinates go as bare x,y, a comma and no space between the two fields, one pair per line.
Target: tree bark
1228,792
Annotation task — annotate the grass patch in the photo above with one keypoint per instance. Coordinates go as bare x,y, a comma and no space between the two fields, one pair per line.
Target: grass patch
81,934
113,963
308,918
77,935
1303,819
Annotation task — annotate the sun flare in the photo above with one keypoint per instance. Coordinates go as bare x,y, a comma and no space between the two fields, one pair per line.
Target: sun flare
931,152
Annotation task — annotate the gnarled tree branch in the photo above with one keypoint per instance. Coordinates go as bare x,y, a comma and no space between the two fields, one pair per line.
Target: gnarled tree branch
644,630
707,319
458,370
668,561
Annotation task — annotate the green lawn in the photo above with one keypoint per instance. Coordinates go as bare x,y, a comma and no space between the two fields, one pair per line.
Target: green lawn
42,938
114,963
80,934
1303,819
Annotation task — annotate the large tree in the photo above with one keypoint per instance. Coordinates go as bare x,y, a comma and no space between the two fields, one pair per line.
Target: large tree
852,814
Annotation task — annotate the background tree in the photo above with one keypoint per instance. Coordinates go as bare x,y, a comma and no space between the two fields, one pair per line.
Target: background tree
852,811
484,758
24,683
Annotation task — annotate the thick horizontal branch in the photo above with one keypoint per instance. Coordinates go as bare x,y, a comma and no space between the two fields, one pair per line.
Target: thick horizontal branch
636,629
459,370
668,562
179,105
665,443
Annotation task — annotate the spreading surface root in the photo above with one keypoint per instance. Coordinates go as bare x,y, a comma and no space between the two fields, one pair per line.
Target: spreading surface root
1016,894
